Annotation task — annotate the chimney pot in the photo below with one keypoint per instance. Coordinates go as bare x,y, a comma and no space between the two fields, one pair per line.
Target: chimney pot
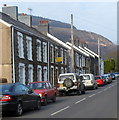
22,14
5,5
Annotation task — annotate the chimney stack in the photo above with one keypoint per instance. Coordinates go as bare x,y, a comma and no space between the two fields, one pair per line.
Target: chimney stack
11,11
26,19
43,26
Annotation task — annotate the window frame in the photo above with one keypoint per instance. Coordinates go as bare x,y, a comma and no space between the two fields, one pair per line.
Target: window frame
29,48
39,55
30,67
45,52
23,66
40,69
20,44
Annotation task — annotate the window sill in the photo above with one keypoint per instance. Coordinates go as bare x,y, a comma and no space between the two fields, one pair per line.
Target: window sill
21,57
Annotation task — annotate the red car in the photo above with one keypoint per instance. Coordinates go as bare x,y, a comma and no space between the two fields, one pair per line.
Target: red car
99,80
45,90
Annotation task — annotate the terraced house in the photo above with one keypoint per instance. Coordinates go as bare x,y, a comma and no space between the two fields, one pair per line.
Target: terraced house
30,55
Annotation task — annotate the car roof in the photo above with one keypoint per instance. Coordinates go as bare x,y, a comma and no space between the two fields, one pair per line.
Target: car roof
39,82
86,74
97,76
68,74
11,84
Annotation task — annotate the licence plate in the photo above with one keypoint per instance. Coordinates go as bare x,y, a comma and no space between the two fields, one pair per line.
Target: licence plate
61,85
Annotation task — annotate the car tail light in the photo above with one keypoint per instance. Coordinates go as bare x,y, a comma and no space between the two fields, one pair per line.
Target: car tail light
6,98
91,81
76,83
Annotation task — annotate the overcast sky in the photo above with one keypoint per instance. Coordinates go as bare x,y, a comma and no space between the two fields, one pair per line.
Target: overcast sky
98,17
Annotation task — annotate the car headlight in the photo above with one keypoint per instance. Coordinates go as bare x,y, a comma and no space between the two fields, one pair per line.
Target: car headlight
40,95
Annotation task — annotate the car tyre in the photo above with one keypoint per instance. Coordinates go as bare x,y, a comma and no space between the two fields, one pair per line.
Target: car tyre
79,92
60,94
19,110
94,87
83,92
38,105
68,83
97,87
54,98
45,101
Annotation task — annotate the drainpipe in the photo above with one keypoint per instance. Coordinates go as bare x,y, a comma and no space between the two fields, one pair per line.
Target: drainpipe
13,64
48,62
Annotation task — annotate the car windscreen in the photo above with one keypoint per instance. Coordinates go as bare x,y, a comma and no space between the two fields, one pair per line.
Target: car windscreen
5,88
37,86
103,77
96,78
62,78
85,77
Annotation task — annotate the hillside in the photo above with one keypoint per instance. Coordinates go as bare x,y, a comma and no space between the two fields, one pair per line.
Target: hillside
62,31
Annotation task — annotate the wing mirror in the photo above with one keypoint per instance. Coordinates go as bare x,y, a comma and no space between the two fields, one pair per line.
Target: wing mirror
30,91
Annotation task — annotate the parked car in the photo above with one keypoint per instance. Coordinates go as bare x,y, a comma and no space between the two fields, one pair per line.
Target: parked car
116,74
99,80
104,79
70,83
112,76
45,90
15,97
89,81
108,78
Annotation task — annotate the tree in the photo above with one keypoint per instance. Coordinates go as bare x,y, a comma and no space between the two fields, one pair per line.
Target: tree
109,65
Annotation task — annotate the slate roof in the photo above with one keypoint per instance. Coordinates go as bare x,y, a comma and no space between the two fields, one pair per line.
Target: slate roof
19,25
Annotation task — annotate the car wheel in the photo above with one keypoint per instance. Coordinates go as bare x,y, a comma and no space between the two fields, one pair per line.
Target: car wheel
45,101
38,105
94,87
60,94
67,93
83,92
68,83
19,109
54,98
79,92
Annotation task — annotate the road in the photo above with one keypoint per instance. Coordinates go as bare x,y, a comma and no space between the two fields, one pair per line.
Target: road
99,103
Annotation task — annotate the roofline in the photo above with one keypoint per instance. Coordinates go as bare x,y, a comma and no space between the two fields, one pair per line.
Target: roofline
91,52
76,48
11,25
86,52
58,41
7,24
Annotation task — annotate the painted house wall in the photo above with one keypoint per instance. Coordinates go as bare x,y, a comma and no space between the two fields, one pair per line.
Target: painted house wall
5,54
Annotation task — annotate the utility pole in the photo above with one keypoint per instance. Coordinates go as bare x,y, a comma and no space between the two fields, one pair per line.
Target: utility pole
99,55
72,42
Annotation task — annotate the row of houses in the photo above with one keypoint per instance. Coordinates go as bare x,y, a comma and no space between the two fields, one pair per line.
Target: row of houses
29,54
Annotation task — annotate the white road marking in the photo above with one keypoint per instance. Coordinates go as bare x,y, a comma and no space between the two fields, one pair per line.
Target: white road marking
105,89
60,110
92,95
80,100
100,92
109,87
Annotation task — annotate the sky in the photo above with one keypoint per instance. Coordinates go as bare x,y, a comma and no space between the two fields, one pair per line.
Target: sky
95,16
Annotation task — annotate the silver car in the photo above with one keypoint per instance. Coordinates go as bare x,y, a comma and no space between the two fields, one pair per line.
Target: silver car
108,78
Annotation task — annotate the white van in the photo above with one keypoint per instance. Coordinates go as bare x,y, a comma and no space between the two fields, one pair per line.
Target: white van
89,80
